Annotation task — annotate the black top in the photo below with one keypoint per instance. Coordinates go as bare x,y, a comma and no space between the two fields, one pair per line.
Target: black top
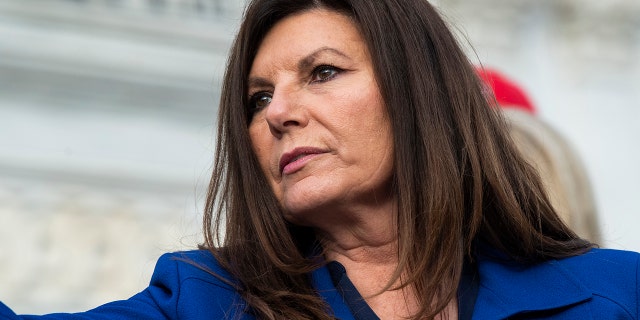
467,292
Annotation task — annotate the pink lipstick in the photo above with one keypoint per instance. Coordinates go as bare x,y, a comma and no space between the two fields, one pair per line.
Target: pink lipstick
294,160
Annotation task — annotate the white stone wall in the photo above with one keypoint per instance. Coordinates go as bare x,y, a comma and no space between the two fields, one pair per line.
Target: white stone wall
107,115
70,246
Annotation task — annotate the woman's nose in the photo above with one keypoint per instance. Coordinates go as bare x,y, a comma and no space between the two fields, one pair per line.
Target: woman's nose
285,112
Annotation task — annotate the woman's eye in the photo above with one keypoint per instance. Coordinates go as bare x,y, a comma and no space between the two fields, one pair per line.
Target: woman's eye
324,73
259,100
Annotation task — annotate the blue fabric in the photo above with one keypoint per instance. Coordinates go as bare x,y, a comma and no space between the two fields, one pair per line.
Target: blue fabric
601,284
468,291
357,305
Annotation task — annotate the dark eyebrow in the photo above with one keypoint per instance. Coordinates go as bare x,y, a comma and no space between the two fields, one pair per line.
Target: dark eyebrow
307,62
257,82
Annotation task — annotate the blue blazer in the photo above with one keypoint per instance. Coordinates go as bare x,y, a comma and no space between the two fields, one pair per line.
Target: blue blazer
601,284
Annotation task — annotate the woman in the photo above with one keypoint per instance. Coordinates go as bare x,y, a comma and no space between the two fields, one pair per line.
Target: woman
360,174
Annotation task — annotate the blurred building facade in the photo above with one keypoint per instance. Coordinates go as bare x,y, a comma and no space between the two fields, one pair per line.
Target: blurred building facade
107,118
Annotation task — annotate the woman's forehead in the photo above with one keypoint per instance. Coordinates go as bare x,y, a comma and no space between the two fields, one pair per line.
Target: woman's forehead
303,37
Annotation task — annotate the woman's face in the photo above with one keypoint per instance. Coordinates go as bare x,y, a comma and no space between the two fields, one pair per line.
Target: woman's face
319,127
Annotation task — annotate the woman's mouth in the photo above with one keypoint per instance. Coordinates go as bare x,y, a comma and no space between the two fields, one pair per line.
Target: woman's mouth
294,160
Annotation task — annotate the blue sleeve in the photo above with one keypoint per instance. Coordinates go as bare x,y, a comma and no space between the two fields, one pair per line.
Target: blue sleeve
163,298
638,287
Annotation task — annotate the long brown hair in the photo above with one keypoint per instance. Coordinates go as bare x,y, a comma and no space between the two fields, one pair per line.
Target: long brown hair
458,178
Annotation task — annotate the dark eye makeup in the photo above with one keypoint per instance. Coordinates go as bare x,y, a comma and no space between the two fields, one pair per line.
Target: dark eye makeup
259,100
324,72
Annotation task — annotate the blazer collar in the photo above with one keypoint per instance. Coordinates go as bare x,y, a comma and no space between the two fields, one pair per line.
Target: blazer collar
508,288
324,285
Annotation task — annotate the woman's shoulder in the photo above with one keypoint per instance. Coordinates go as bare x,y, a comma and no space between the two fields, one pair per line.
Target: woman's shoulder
202,258
194,285
612,277
601,282
194,265
184,285
594,263
601,260
607,272
604,269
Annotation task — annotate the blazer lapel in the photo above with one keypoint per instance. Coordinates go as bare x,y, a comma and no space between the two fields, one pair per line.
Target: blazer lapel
324,285
507,288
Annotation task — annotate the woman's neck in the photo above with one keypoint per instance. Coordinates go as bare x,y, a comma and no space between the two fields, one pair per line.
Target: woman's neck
369,253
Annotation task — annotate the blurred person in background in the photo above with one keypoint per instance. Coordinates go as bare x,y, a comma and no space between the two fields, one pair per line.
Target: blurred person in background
559,166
